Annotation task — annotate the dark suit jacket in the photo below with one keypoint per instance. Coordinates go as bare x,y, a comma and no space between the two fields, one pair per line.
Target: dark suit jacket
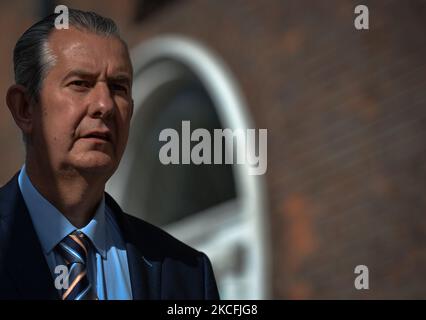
160,266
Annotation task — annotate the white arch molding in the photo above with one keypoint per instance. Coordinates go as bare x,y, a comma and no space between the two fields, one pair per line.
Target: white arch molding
247,229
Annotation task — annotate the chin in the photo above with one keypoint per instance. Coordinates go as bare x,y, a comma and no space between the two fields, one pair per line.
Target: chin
96,162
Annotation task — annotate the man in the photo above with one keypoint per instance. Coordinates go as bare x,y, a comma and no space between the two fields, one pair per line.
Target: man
61,235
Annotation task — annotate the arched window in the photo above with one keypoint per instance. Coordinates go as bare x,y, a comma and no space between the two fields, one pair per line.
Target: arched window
169,193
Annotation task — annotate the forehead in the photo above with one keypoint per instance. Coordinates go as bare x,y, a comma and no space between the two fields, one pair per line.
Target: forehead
74,48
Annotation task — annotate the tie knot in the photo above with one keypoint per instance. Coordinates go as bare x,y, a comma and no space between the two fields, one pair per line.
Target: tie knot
74,247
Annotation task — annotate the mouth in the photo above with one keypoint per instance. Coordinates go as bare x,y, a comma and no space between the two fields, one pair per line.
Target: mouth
98,136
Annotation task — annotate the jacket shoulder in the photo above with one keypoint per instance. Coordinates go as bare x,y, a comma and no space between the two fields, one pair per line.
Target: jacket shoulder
152,240
161,242
9,190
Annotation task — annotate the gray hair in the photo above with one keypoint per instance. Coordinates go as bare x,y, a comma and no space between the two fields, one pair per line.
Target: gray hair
32,58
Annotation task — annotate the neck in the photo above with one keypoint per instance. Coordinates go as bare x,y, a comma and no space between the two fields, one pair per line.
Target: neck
74,194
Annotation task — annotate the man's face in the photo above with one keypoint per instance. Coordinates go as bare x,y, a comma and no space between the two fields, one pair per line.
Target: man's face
82,121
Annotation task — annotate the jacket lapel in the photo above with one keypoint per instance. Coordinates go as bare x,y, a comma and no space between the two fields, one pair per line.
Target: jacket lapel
145,271
144,275
26,263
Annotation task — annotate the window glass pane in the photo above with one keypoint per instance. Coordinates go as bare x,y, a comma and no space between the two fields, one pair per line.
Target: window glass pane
168,193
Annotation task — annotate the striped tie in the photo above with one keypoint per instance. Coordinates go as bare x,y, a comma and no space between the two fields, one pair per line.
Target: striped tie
74,250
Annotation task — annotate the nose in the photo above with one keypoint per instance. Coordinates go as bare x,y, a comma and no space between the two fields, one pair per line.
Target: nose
102,103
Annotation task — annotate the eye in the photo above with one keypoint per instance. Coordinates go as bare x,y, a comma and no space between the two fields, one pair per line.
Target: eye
118,87
80,83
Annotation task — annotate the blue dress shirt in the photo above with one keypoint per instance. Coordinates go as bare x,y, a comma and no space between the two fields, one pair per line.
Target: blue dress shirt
107,266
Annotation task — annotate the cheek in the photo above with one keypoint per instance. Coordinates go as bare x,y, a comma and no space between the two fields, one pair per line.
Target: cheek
60,115
56,135
58,127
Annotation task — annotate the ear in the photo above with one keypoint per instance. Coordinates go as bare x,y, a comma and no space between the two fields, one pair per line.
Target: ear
20,106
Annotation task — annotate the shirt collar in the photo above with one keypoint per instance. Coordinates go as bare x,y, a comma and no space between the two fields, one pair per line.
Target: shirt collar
51,225
96,228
